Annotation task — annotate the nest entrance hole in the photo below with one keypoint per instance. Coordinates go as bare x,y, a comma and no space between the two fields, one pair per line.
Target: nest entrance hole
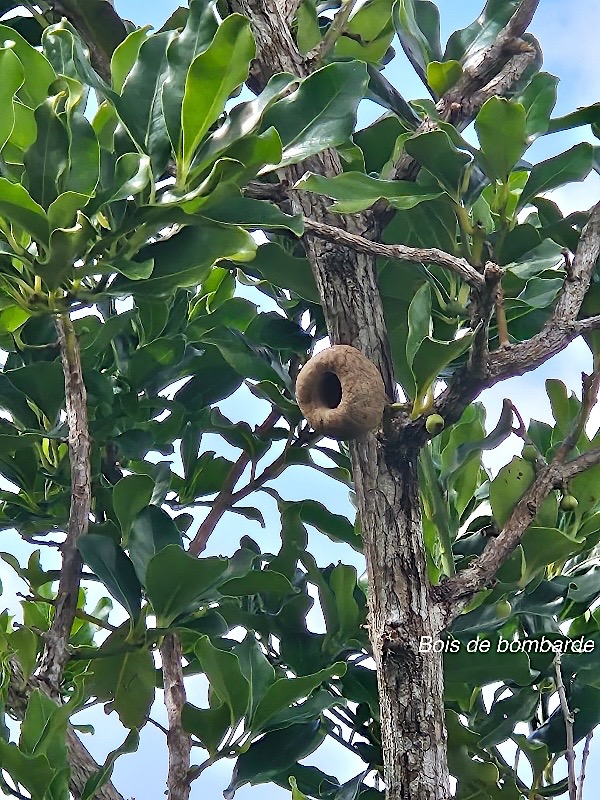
330,390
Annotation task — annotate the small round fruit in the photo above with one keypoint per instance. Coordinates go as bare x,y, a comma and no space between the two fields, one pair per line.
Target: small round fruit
503,608
434,424
530,452
568,502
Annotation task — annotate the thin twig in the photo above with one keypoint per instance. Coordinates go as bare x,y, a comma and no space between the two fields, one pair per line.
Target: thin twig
335,30
584,759
56,653
400,252
224,499
569,720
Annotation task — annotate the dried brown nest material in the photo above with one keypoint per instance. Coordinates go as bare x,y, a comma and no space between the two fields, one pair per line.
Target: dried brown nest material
341,393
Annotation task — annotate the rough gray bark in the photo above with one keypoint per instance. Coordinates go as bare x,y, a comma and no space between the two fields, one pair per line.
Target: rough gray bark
178,741
56,653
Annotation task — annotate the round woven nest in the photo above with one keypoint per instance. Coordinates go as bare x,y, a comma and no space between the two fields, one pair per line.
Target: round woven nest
341,393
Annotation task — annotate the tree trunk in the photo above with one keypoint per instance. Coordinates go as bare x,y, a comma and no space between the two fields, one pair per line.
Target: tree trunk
401,609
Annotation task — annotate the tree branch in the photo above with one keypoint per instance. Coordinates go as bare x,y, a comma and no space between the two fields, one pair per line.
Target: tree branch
56,653
179,742
225,498
81,762
517,359
333,33
400,252
569,720
454,593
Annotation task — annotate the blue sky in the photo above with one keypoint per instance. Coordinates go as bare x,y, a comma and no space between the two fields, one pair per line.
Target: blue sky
561,34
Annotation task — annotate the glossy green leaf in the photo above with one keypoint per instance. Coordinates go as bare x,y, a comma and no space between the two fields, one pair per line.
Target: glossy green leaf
108,561
257,582
130,495
286,691
195,37
32,772
125,676
125,56
225,677
276,265
321,113
38,73
209,725
354,191
24,643
212,77
466,44
539,99
419,48
12,73
140,105
18,207
436,152
176,581
252,215
573,165
501,127
48,157
243,120
442,76
272,754
186,259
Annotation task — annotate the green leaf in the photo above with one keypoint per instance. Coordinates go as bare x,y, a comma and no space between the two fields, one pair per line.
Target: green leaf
252,215
34,773
97,21
151,530
321,113
243,120
419,48
257,582
130,495
125,56
207,724
543,546
18,207
125,675
48,157
419,321
43,384
508,487
83,169
108,561
335,526
276,265
343,581
355,191
12,73
286,691
24,643
501,128
140,105
466,44
176,581
186,259
225,677
197,34
436,152
274,753
38,73
212,77
573,165
442,76
100,778
256,668
538,98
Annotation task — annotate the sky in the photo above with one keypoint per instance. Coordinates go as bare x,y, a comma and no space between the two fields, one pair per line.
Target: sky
562,33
